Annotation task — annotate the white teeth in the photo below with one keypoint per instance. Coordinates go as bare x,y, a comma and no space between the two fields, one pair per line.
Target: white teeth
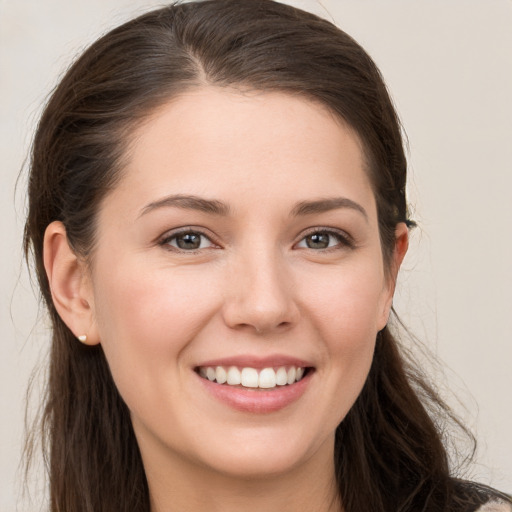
266,378
233,377
292,372
281,376
250,378
221,375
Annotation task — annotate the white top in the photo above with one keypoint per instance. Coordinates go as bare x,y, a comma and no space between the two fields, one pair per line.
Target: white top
495,506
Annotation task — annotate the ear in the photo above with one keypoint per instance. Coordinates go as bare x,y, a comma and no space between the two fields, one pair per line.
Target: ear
69,284
399,252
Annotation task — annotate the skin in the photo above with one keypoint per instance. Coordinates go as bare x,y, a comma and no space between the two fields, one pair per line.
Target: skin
254,287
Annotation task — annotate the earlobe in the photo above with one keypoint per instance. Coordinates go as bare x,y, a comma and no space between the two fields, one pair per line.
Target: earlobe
69,284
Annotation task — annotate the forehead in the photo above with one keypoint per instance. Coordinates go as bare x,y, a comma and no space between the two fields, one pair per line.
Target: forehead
231,144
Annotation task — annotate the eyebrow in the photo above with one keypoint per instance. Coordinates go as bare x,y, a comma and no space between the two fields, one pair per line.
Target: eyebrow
216,207
188,202
325,205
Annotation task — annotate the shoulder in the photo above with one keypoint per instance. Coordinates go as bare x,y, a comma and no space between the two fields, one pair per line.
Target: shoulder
474,497
495,506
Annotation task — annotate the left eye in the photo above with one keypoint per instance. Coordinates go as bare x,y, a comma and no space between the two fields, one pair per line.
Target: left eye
188,241
322,240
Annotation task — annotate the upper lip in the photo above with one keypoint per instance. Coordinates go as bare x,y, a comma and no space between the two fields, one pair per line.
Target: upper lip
258,362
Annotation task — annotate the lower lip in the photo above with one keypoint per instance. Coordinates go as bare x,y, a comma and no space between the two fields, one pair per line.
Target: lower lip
256,400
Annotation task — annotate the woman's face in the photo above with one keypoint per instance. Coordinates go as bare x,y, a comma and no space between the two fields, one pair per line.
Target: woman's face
242,236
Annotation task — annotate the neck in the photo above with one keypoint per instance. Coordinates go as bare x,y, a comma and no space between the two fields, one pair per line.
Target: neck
183,485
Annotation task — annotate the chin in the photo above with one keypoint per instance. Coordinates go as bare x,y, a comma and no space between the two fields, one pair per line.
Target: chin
264,455
257,466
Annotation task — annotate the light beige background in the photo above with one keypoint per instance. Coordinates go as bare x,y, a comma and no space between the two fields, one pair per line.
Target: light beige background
448,65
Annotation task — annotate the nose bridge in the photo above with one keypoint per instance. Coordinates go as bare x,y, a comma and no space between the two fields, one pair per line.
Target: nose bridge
261,291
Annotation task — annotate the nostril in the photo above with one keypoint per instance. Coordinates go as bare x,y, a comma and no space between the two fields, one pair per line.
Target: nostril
264,328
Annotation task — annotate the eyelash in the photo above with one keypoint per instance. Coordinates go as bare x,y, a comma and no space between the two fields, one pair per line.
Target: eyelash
344,240
168,238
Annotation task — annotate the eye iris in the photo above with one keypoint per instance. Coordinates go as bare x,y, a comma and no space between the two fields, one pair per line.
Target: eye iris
188,241
318,241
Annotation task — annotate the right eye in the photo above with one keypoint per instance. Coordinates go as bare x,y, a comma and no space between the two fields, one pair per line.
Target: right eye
187,241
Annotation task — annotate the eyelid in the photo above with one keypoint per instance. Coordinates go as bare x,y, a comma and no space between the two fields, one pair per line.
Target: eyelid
345,239
164,239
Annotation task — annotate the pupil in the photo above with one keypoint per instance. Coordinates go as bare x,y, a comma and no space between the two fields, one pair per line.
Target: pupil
318,241
189,241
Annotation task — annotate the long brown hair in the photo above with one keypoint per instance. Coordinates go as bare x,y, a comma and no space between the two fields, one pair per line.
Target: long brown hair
389,451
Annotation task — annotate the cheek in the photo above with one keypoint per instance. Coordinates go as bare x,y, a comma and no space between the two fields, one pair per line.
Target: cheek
345,308
146,319
347,303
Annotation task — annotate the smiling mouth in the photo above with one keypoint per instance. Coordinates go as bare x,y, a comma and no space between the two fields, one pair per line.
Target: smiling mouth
247,377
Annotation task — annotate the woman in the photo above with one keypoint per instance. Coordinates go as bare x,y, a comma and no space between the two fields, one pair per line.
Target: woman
217,217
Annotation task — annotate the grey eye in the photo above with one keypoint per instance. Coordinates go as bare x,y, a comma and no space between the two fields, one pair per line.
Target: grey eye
323,239
189,241
318,241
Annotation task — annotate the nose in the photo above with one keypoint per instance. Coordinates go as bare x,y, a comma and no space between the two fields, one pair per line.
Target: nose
260,295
